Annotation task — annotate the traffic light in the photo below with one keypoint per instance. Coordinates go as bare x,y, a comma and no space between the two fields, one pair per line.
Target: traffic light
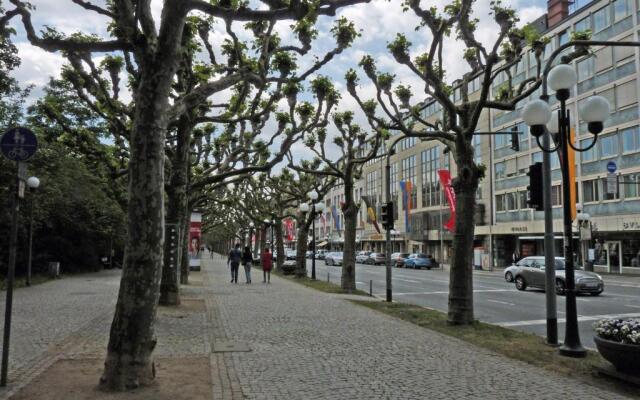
515,141
386,215
535,188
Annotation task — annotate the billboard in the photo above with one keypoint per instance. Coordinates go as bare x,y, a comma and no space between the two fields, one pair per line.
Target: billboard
195,240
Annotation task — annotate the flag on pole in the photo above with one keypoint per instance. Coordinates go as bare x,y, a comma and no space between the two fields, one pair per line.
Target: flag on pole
445,181
371,212
336,217
406,187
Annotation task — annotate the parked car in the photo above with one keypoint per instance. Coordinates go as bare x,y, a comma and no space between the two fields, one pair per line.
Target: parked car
376,258
418,261
334,258
308,254
320,254
397,259
290,254
531,273
362,256
511,270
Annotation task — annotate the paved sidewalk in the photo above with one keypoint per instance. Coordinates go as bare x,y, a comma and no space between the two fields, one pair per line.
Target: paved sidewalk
307,344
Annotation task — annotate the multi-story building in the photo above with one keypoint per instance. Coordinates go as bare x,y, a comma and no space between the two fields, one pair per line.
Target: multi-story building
506,228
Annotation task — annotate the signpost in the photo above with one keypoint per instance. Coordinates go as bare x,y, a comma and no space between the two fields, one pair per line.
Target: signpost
612,181
19,145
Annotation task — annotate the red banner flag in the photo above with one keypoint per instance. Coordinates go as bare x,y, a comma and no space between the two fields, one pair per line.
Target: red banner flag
445,181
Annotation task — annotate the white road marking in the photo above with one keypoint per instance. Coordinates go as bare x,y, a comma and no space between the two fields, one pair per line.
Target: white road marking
447,292
582,318
632,306
406,280
501,302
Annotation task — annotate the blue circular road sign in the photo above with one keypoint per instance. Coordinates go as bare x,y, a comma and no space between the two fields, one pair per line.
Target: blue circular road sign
611,167
18,144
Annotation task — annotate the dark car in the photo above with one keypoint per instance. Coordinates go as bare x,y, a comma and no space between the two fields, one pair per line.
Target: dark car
418,261
334,258
397,259
376,258
531,273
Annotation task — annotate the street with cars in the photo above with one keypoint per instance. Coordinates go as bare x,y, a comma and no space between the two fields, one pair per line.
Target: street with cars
496,300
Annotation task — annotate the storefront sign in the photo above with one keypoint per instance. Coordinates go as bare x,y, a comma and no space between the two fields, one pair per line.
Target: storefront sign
519,229
631,225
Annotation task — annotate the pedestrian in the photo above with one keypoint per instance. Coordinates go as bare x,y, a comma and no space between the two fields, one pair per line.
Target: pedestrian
235,256
247,260
267,263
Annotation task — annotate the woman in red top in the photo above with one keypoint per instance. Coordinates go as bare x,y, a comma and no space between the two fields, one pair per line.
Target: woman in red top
266,260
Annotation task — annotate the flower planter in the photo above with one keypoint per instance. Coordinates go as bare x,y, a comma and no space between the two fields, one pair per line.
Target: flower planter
625,357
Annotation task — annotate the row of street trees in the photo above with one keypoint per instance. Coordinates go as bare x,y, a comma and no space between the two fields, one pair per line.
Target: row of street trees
187,121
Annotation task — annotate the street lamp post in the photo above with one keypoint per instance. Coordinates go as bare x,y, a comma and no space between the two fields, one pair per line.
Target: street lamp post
33,184
251,225
537,115
313,196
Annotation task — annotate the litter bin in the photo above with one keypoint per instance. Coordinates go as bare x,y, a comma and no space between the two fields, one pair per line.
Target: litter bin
54,269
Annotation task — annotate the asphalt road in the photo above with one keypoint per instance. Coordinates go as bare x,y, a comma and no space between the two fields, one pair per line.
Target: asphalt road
497,301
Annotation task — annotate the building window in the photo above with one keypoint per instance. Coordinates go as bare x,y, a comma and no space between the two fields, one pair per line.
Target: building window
430,183
512,201
556,195
583,24
621,9
590,191
394,178
522,195
409,174
631,185
500,203
585,69
606,195
608,146
536,157
601,19
630,139
500,169
591,154
563,37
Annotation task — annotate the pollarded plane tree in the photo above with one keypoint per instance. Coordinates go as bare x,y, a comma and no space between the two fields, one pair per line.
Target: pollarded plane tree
153,47
455,21
297,185
356,148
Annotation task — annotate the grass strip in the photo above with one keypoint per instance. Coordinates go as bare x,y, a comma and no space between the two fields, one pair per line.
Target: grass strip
517,345
321,285
21,281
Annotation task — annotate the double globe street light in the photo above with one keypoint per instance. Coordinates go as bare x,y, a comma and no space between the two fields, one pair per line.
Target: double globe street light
538,116
33,183
315,208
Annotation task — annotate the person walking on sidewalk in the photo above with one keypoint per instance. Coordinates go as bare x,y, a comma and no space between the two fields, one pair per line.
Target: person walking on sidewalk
235,256
266,259
247,260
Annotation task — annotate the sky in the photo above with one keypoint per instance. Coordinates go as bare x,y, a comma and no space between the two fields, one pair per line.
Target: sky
379,21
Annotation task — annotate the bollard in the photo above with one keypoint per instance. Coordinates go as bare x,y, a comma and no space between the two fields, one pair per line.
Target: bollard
371,288
327,277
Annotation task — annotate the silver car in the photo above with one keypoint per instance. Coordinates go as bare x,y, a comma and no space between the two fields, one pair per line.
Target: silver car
530,272
333,258
362,256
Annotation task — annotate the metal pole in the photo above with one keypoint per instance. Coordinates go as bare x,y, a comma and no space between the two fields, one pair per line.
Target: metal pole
549,248
313,241
13,245
388,238
572,346
30,254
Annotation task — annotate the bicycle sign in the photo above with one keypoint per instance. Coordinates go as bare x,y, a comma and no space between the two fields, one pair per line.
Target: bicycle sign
18,144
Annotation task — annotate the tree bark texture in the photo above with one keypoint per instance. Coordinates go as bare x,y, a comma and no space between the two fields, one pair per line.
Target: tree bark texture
350,212
184,262
460,310
177,205
129,361
279,246
301,249
256,244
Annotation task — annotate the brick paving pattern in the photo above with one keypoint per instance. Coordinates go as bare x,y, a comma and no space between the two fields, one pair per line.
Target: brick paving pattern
312,345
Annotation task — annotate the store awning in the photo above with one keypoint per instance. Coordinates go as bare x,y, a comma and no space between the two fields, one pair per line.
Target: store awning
538,237
322,244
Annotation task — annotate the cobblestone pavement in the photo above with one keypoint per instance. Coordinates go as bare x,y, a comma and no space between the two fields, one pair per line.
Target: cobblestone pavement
312,345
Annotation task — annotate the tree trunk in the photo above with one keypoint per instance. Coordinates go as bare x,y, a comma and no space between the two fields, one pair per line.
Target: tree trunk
177,205
279,246
256,244
350,212
301,249
129,363
461,274
184,265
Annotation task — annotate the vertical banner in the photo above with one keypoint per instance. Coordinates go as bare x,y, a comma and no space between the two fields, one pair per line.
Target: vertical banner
336,218
445,181
195,233
371,212
406,187
289,229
